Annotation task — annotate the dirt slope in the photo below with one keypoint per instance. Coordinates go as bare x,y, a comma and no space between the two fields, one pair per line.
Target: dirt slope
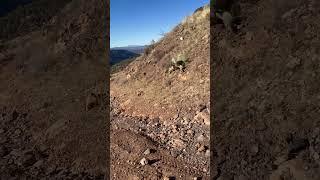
47,129
145,88
265,93
167,112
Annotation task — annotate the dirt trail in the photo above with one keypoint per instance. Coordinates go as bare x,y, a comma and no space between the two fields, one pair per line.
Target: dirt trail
128,149
132,136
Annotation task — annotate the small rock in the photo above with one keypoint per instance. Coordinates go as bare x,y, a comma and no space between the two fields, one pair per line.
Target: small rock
249,36
204,117
293,63
314,154
174,128
207,153
144,161
42,148
280,160
91,101
201,148
28,159
185,121
134,178
162,136
200,138
227,20
196,178
56,127
38,164
190,132
202,107
204,170
288,14
169,178
182,133
178,143
146,152
255,149
166,123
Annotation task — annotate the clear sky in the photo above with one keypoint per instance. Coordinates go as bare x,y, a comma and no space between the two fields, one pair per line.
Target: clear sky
137,22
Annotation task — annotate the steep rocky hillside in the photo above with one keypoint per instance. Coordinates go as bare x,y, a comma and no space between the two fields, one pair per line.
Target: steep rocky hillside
53,96
265,102
160,114
147,88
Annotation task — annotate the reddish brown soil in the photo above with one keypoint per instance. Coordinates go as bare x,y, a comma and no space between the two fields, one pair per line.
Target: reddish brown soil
132,136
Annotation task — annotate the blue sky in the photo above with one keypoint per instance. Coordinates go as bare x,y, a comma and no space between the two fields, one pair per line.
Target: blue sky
137,22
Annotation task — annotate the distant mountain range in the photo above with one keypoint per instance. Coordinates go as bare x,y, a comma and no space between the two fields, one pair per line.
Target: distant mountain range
118,54
132,48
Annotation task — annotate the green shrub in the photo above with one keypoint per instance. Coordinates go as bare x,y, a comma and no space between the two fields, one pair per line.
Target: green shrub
178,62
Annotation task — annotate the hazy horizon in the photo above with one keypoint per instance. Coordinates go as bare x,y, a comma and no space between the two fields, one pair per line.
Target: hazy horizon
129,46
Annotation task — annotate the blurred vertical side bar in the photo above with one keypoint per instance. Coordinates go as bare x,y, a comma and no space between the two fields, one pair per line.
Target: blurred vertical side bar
108,125
54,90
265,90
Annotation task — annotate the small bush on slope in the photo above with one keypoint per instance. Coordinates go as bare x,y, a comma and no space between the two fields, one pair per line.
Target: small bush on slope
178,63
